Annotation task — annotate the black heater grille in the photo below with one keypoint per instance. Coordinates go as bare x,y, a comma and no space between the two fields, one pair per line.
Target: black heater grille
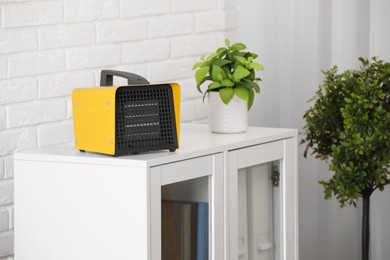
145,119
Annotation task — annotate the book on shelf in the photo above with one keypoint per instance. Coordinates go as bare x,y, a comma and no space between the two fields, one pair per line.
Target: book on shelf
171,248
184,226
194,230
203,231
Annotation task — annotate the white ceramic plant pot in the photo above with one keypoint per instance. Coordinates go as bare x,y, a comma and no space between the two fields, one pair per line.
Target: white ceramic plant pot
227,119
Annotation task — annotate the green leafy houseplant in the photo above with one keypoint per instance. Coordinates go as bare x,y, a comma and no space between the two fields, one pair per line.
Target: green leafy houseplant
230,71
349,126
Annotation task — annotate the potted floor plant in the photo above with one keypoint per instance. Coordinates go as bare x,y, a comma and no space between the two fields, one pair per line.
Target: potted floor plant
349,126
231,81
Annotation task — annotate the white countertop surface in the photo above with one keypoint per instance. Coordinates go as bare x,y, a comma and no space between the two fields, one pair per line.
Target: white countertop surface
196,140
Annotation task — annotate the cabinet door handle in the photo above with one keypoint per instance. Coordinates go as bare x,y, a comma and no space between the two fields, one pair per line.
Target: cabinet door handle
264,246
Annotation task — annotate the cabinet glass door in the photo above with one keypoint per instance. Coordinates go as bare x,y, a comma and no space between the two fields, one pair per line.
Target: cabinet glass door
185,220
262,202
187,210
258,204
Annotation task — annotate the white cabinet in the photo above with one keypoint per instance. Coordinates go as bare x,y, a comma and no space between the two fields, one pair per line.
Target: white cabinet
212,199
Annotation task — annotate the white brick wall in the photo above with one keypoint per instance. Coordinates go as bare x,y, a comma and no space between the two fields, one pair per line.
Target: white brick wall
122,30
192,5
6,243
50,134
36,63
62,84
6,192
2,168
36,112
91,57
30,14
195,45
145,51
171,25
4,219
48,48
3,67
210,21
2,118
8,167
17,90
90,10
187,111
173,70
17,139
136,8
69,112
60,36
187,89
18,40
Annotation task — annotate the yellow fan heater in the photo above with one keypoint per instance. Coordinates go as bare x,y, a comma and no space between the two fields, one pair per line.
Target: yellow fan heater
121,120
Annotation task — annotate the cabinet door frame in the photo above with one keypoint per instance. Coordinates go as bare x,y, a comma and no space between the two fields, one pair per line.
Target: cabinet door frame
286,151
211,166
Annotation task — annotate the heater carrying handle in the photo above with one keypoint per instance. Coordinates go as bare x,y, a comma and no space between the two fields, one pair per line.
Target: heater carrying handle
106,77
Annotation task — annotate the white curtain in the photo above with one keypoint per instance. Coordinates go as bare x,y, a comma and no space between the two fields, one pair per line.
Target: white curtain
295,40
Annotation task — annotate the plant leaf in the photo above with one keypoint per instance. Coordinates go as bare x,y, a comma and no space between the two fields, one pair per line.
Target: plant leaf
241,59
196,65
256,87
205,93
203,80
227,42
226,94
212,56
221,51
214,85
238,47
251,98
252,84
217,74
240,73
228,73
198,87
242,93
210,62
201,73
227,83
221,62
256,66
238,53
253,55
